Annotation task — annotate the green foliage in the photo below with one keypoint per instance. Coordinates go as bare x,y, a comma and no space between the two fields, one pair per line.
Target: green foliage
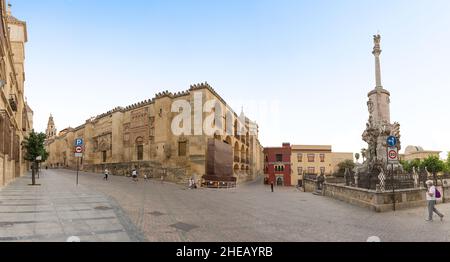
406,166
357,156
34,146
447,164
433,164
344,165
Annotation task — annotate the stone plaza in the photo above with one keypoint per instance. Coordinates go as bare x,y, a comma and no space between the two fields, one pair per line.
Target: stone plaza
123,210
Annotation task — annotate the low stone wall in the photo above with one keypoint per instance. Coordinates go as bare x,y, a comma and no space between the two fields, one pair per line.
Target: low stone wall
309,185
377,201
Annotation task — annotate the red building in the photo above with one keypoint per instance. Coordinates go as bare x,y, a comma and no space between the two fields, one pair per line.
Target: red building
277,165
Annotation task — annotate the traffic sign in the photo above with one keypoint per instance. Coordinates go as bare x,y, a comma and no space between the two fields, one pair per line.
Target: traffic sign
392,155
79,142
79,149
392,141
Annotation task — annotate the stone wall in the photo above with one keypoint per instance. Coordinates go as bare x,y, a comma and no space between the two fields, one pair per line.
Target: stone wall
309,185
152,169
376,201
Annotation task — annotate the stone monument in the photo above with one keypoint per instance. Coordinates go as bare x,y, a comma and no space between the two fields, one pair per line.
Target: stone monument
379,126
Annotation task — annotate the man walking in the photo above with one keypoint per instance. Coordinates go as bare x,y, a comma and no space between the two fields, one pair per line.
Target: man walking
134,174
106,174
271,185
431,198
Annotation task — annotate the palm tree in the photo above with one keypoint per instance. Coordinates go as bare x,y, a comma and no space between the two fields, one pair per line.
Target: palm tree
364,154
35,151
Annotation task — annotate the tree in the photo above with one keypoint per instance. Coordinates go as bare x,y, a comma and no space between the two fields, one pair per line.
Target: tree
416,163
344,165
357,156
433,165
364,154
447,164
34,146
407,166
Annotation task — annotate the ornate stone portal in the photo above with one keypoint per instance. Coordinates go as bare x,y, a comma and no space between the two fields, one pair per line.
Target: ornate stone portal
379,126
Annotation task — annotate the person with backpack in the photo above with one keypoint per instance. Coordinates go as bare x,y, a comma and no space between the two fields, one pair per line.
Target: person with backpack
432,195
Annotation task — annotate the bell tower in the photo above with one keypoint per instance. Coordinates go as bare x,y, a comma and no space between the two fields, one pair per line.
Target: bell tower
51,128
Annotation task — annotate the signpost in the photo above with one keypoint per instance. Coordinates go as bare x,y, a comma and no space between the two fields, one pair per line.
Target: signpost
79,149
392,159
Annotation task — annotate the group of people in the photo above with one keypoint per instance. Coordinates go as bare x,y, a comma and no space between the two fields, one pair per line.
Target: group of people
134,176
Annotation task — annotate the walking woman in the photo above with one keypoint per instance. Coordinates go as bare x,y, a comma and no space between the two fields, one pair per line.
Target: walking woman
432,195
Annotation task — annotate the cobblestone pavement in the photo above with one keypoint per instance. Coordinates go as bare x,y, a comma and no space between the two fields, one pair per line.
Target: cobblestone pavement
168,212
57,210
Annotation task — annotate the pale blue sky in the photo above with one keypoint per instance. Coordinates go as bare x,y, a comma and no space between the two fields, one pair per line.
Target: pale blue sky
309,61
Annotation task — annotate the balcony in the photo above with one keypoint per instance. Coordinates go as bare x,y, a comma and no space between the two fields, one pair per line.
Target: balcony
236,159
243,161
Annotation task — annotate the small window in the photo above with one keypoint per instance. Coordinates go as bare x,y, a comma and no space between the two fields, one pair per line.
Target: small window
104,156
322,170
311,158
182,148
300,157
322,158
140,152
279,157
311,170
300,170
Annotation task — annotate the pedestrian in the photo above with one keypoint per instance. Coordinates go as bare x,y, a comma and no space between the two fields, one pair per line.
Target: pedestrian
190,183
271,185
134,175
106,174
162,179
146,177
432,195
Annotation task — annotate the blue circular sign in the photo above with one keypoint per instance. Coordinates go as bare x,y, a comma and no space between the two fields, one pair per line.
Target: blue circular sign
392,141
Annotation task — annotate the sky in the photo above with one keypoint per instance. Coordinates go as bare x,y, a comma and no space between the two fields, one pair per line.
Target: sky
301,68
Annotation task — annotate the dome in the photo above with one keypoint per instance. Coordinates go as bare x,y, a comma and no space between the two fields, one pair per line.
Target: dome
413,149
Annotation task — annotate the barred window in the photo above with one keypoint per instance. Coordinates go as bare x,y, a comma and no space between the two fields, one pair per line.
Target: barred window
311,158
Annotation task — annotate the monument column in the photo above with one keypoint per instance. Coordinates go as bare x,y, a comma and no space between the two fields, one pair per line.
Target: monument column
377,52
379,98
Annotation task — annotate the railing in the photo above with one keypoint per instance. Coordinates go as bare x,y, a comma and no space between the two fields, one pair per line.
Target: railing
310,177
